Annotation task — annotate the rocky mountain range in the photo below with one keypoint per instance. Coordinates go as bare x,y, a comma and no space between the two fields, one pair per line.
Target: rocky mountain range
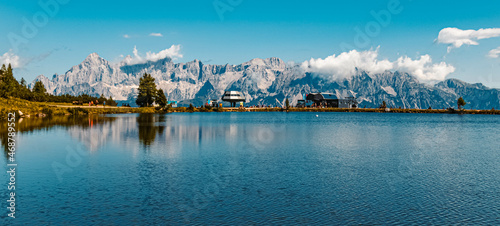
263,82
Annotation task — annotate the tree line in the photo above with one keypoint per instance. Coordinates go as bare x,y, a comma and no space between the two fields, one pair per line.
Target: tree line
11,88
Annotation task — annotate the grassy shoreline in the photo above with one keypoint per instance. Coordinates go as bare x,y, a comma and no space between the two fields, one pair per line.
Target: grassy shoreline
43,109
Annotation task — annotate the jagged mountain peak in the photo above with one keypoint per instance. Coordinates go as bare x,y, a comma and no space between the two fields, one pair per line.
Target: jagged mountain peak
46,81
93,56
260,61
40,77
94,59
255,61
456,84
272,63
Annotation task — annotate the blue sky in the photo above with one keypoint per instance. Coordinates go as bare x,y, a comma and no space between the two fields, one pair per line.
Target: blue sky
236,31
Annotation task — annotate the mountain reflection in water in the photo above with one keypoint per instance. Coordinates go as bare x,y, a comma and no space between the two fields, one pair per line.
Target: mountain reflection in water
147,129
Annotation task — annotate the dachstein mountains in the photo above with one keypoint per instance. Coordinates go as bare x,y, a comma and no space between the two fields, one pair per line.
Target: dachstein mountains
262,81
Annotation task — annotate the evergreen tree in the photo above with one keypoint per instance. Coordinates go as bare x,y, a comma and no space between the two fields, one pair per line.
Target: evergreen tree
287,103
147,91
9,85
111,102
161,99
191,108
461,102
384,105
101,99
23,82
39,88
39,92
2,72
24,92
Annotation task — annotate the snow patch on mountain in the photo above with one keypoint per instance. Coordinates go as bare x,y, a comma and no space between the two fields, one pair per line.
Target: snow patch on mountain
389,90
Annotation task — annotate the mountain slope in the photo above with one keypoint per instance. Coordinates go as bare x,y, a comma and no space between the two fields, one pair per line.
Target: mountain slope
263,81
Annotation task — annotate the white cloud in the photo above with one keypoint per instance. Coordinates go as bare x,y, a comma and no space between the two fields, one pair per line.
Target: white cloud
10,58
126,36
423,69
346,64
494,53
456,37
156,34
174,52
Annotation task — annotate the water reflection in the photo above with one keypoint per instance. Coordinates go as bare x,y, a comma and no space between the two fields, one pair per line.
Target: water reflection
149,125
30,125
150,131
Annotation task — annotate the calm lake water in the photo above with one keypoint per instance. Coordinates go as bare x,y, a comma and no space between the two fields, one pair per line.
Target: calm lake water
258,168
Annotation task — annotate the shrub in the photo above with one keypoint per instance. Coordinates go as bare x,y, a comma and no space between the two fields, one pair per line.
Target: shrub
191,108
77,111
206,108
47,111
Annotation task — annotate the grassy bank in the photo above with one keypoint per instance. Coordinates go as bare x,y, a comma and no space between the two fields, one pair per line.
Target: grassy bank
397,110
44,109
373,110
28,108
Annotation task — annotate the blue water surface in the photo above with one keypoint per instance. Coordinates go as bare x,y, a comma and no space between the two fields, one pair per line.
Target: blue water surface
258,168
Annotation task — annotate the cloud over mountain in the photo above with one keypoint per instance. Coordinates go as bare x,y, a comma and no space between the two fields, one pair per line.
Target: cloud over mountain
456,38
345,64
423,69
174,52
348,63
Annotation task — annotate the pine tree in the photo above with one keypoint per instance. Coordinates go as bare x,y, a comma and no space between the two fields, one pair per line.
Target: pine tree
287,103
24,92
9,85
191,108
384,105
39,88
461,102
147,91
161,99
39,92
102,99
111,102
2,72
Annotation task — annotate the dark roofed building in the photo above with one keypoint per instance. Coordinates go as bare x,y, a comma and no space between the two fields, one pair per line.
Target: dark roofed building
331,100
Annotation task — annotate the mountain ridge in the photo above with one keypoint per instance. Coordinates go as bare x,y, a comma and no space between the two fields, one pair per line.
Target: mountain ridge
263,82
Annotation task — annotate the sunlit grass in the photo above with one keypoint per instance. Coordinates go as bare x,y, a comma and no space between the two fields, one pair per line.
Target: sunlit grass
43,109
